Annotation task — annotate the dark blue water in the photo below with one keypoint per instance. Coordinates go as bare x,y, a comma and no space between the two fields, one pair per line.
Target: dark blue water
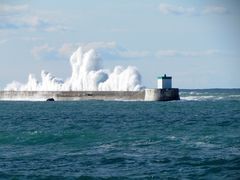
195,138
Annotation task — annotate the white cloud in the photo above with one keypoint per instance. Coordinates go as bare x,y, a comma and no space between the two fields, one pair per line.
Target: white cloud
177,10
214,10
31,23
133,54
109,50
6,9
115,50
67,49
33,38
181,10
55,28
176,53
23,17
38,51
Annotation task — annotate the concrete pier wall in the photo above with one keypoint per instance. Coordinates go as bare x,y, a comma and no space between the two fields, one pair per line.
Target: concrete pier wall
72,95
147,95
152,94
161,94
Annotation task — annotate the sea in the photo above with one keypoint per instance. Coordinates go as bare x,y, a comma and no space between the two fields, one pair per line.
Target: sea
197,137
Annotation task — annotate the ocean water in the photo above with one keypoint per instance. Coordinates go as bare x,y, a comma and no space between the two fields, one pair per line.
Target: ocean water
197,137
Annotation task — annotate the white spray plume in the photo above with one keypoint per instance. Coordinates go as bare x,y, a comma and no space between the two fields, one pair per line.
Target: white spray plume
87,75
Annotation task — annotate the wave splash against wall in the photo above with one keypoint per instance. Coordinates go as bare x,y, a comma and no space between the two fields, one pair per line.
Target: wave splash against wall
87,75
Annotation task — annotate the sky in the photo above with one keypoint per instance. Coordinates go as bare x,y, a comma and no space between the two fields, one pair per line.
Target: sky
196,42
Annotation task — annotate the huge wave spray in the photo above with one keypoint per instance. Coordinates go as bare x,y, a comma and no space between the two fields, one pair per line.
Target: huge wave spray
87,75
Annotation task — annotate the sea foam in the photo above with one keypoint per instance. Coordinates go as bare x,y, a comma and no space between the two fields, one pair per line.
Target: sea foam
87,75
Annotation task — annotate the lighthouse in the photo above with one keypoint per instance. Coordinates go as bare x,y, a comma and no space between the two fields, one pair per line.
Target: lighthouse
164,82
164,90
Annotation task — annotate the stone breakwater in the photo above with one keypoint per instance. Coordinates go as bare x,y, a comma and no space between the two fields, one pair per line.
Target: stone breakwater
143,95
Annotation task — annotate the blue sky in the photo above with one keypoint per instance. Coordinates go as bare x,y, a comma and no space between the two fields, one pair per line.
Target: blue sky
197,42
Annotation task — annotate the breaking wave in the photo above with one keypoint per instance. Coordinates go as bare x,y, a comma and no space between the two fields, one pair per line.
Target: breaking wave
87,75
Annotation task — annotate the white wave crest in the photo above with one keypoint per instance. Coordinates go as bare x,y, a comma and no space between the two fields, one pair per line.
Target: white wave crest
87,75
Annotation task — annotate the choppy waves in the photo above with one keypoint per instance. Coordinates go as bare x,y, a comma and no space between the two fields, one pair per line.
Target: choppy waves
210,94
121,140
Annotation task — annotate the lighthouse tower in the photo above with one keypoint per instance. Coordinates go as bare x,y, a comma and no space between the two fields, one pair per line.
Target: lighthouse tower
164,82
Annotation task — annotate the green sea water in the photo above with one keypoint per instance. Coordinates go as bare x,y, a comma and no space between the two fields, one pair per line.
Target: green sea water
197,137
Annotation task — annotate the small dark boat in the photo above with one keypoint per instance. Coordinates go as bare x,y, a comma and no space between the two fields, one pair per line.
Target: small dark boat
50,99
